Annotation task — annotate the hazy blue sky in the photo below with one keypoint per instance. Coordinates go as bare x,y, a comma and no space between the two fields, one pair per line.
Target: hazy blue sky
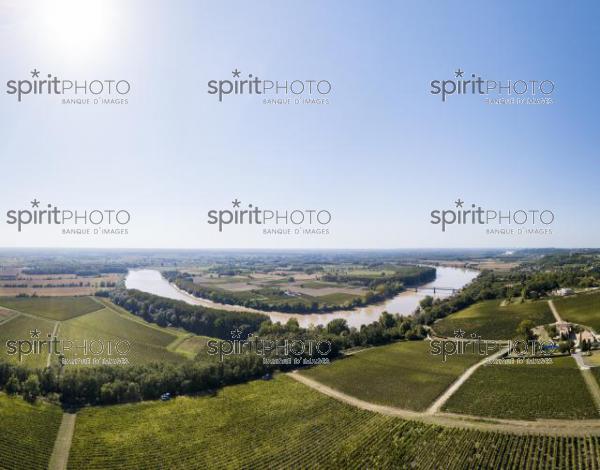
380,156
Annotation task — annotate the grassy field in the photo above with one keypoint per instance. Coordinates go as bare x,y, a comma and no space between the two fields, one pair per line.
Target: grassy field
582,308
404,374
593,360
283,424
106,323
148,342
526,391
53,308
491,321
27,433
19,328
190,346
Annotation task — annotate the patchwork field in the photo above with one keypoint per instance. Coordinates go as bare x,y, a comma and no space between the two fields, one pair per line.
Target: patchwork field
405,375
281,423
58,285
582,308
490,320
525,391
27,433
52,308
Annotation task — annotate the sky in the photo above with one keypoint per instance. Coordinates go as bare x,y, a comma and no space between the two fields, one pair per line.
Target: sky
379,156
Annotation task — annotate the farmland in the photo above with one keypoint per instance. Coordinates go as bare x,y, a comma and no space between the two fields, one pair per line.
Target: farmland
148,342
282,424
490,320
20,328
27,432
83,319
403,374
582,308
52,308
526,391
50,285
313,289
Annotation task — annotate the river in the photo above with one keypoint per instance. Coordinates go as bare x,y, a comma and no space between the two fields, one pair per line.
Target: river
151,281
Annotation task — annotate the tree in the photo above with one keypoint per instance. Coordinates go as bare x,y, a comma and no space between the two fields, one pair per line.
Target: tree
585,346
565,346
525,328
133,392
387,320
337,326
13,386
31,388
427,301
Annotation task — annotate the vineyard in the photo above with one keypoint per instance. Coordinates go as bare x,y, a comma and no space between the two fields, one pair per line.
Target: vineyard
27,433
147,342
490,320
52,308
282,424
526,391
583,309
19,328
405,375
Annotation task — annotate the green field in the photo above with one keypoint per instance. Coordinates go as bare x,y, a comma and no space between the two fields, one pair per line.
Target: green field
491,321
525,391
27,433
190,346
583,309
148,342
52,308
19,328
283,424
405,375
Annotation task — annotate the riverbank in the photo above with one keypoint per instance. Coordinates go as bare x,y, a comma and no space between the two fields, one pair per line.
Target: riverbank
151,281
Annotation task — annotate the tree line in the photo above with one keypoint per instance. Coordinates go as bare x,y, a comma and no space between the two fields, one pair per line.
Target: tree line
194,318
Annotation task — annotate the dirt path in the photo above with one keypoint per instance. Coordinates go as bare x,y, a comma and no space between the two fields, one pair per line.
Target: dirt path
62,445
443,398
9,318
357,402
592,386
549,427
54,333
554,312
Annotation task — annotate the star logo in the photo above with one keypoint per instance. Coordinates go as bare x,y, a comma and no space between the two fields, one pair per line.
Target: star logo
35,73
236,73
236,333
35,203
459,202
459,333
35,333
458,73
236,202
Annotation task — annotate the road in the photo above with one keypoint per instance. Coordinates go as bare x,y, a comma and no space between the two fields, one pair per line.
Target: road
554,312
548,427
62,445
443,398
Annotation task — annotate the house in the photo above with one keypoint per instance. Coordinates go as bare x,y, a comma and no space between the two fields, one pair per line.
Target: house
563,329
564,291
586,335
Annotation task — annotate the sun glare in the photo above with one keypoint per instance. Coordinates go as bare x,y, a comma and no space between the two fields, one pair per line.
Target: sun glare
77,28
